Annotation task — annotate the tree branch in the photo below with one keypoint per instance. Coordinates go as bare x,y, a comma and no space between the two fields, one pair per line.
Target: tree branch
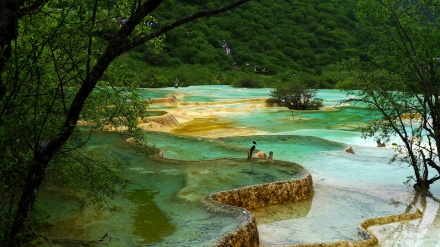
32,7
432,164
187,19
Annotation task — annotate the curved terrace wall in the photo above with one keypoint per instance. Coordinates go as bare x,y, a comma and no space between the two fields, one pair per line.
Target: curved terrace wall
250,197
261,195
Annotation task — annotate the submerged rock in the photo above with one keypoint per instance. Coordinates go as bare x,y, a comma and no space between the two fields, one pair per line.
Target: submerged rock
132,140
350,150
260,155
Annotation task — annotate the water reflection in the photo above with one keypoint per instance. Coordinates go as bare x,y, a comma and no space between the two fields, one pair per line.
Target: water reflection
418,232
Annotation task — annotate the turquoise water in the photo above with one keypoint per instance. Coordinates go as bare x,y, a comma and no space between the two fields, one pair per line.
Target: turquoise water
207,93
349,187
279,121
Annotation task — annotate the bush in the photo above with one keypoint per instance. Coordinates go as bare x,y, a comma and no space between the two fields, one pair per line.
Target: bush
295,96
248,82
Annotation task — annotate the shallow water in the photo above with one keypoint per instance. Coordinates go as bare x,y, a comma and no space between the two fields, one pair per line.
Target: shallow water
207,93
349,187
322,222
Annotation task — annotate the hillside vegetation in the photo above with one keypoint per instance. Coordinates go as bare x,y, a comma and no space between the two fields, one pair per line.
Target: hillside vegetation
287,39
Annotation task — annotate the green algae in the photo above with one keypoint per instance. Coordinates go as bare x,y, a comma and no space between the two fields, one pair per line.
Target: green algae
149,222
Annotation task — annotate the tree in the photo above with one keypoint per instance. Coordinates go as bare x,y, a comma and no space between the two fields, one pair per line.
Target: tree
400,80
295,96
52,57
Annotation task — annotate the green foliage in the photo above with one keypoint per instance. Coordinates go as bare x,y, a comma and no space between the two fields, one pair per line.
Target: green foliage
96,180
56,48
301,37
249,82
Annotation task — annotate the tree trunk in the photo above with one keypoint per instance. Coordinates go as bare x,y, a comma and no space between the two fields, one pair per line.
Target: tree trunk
33,181
41,160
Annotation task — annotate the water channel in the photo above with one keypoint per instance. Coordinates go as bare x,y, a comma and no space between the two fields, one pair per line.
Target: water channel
165,202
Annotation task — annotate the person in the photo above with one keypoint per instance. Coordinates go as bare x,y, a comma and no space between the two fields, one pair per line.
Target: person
270,155
252,150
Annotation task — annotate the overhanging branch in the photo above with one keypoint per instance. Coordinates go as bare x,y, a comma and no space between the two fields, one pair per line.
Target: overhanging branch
180,22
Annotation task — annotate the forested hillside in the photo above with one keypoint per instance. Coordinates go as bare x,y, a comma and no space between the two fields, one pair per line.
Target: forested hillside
279,38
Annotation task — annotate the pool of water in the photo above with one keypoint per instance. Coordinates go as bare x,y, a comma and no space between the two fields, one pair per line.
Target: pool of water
320,218
171,192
